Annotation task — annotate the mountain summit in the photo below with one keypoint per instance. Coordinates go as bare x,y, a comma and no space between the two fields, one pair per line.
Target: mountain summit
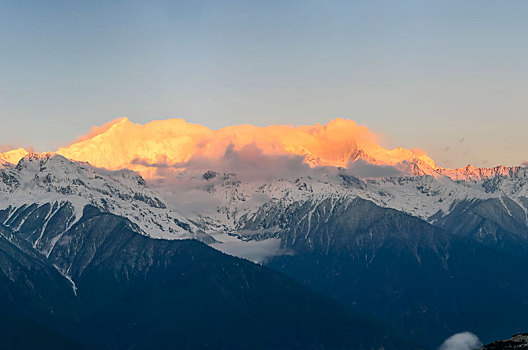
162,147
173,143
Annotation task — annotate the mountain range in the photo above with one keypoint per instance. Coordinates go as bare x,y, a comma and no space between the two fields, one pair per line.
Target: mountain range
247,242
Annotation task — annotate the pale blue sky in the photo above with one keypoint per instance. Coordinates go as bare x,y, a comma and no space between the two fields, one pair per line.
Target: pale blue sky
450,77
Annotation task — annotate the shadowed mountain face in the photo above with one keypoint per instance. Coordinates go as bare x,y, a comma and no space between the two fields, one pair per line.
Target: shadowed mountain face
126,290
428,282
33,295
19,333
497,222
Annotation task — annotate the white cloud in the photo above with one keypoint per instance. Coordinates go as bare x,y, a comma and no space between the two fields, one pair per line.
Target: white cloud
461,341
256,251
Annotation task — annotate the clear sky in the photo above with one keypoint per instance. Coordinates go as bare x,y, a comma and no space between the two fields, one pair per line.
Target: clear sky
450,77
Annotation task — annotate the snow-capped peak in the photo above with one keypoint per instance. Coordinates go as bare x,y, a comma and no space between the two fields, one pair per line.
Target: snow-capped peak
51,178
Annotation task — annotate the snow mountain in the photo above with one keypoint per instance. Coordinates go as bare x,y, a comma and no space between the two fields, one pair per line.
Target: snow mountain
432,252
390,246
46,186
438,196
96,260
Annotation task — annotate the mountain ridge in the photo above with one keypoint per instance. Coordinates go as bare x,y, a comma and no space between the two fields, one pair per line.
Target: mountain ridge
111,287
314,224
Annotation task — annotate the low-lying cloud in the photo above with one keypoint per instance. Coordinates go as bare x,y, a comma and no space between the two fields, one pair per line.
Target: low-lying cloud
248,163
256,251
461,341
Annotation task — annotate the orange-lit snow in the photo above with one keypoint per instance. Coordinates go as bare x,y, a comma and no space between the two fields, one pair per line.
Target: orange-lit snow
123,144
14,155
